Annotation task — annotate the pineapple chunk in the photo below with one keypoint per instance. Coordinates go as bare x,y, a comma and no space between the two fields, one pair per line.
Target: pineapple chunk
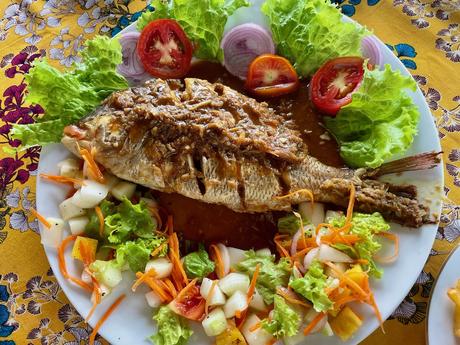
357,274
345,324
84,246
231,336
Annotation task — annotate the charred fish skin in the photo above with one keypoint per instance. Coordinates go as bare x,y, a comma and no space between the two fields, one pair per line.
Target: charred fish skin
211,143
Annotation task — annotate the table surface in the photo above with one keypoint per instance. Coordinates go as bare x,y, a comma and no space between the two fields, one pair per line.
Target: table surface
424,34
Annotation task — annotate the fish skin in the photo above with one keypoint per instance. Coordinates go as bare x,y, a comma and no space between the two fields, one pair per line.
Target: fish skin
211,143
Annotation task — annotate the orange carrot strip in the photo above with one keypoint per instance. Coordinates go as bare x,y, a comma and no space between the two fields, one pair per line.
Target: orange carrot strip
348,281
157,289
292,299
100,216
376,310
171,287
351,204
143,276
255,327
62,179
185,289
312,324
40,218
302,252
104,317
63,267
92,165
218,260
281,250
158,249
178,270
97,297
252,286
210,294
395,239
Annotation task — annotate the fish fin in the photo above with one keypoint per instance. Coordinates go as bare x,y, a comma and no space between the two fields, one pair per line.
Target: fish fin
422,161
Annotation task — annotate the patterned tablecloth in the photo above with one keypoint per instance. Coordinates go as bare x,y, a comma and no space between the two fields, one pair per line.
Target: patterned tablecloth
424,34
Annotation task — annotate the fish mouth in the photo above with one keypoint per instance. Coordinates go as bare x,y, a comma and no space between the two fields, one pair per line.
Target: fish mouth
75,138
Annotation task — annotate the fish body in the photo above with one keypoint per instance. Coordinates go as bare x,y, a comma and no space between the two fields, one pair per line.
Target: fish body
211,143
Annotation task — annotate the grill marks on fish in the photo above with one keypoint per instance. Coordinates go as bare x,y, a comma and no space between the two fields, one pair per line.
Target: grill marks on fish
211,143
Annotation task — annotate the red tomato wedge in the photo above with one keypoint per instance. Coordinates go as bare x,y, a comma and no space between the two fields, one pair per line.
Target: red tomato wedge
271,76
164,49
191,305
333,84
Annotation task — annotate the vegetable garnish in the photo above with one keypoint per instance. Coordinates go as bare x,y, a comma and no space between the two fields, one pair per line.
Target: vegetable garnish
312,324
131,67
104,317
40,218
164,49
394,238
143,276
100,216
370,47
210,295
63,179
271,76
333,84
217,256
93,167
242,44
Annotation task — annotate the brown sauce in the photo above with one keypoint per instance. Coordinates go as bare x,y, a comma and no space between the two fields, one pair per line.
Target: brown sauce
208,223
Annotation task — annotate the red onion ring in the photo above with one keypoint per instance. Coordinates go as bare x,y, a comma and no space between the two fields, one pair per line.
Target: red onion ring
244,43
295,241
131,68
370,48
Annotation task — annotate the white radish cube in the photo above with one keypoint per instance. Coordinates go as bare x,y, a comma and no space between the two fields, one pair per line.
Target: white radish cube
90,194
162,266
217,298
86,277
69,167
69,210
258,336
153,300
215,323
264,252
123,189
77,225
52,237
257,302
234,282
236,256
314,214
237,302
327,253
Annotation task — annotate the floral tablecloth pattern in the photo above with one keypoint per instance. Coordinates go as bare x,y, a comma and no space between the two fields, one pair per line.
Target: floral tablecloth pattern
424,34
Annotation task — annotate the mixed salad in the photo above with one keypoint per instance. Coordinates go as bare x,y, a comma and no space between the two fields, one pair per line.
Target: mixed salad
324,258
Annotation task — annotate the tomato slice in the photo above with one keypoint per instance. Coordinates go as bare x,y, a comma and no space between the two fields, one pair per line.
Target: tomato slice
333,84
271,76
164,49
191,305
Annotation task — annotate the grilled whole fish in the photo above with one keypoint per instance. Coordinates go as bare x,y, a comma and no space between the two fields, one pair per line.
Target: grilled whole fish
211,143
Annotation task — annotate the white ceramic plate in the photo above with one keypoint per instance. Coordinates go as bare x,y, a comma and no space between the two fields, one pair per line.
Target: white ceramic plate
441,308
132,322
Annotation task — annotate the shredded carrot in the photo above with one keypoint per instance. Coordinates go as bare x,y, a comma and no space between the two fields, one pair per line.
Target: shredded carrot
376,311
255,327
218,260
361,261
158,249
171,287
178,274
312,324
238,314
63,267
209,297
252,286
63,179
154,286
187,288
351,204
100,216
97,297
323,225
302,252
104,317
298,192
348,281
292,299
40,218
395,239
143,276
281,250
94,170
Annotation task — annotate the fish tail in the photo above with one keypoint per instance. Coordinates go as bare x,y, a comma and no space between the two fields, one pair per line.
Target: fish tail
422,161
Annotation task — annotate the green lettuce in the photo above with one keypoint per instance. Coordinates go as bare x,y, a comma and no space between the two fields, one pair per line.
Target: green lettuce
289,224
309,33
198,264
172,329
312,286
137,253
92,228
380,121
271,274
284,322
128,220
202,20
68,96
365,226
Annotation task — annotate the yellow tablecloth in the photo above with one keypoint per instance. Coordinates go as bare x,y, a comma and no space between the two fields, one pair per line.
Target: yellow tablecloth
424,34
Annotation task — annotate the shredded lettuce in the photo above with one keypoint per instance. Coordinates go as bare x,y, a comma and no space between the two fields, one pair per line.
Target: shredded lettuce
284,322
202,20
289,224
309,33
136,253
172,329
92,228
107,272
380,121
69,96
198,264
365,226
312,287
271,274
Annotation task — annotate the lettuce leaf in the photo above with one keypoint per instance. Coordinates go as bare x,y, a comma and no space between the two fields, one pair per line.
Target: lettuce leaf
380,121
202,20
365,226
92,228
312,287
137,253
172,329
198,264
68,96
271,274
284,322
289,224
309,33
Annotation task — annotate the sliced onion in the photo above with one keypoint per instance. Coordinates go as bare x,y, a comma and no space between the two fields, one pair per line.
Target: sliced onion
308,259
327,253
225,258
131,68
244,43
370,47
295,241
